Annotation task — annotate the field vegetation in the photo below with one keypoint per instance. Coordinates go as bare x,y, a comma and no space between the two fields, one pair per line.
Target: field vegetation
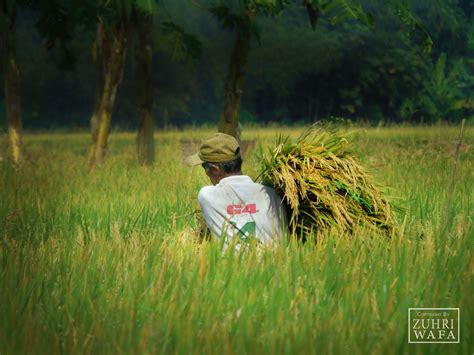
107,262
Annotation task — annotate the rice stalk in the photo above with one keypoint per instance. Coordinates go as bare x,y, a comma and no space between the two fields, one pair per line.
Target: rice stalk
323,185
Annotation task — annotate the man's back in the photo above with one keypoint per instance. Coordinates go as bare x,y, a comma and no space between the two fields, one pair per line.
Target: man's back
238,207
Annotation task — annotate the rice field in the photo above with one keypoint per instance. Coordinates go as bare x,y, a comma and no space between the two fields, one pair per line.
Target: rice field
107,263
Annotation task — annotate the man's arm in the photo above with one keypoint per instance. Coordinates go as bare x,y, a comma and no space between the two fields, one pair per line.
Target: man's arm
204,199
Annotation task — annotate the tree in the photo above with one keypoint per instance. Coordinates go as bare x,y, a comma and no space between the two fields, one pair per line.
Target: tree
11,79
243,21
145,140
113,33
183,46
109,55
52,26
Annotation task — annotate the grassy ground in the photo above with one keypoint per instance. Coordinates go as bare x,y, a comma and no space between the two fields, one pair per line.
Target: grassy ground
106,263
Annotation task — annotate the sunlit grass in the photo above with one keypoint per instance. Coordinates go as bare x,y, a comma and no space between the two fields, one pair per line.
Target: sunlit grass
107,262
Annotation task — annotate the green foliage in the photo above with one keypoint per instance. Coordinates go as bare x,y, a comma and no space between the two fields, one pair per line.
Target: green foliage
446,23
187,45
297,74
224,16
149,6
417,29
117,8
470,36
10,6
244,17
443,96
343,10
344,70
247,118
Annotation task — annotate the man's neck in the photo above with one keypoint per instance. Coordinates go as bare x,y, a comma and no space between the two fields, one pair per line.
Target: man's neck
232,174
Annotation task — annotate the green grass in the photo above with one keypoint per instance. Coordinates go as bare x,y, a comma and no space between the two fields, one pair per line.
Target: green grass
106,263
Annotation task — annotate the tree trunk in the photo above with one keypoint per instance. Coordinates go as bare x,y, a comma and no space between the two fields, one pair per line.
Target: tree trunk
114,50
99,57
234,82
145,141
11,83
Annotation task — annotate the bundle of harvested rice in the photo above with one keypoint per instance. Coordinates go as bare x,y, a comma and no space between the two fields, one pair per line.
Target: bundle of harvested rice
323,185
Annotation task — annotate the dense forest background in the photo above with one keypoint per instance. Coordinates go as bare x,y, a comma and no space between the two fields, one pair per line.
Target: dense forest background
295,74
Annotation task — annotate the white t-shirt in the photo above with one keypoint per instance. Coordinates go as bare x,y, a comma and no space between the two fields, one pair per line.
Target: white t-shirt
239,207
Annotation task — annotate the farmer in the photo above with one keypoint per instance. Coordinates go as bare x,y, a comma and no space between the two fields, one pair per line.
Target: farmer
235,206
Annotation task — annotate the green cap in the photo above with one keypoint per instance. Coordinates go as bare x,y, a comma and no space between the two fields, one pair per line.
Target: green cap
219,148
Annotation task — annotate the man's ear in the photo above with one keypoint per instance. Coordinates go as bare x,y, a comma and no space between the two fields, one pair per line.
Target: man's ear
216,170
213,169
